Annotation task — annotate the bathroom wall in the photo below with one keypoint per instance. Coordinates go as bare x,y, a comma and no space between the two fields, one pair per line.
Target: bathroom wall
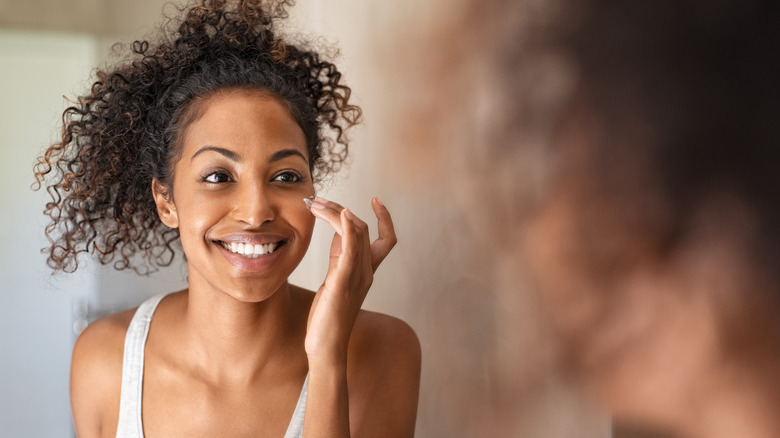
38,311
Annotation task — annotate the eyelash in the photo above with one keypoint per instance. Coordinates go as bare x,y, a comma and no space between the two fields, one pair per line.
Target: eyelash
206,178
297,177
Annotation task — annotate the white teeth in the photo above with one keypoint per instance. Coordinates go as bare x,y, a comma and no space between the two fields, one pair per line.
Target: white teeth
249,250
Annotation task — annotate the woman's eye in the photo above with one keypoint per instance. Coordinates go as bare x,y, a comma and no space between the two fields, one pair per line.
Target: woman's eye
288,177
217,177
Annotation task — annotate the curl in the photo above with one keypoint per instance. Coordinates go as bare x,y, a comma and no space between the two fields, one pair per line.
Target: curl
126,131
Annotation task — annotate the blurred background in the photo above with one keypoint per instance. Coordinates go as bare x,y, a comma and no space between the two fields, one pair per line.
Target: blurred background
489,365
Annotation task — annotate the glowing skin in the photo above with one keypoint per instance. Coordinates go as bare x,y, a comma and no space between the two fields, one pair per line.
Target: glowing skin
237,195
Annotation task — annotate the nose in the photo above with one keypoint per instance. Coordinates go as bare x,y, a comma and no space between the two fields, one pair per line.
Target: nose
254,204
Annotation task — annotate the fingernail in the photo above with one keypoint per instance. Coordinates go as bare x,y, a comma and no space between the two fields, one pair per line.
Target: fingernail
349,214
318,203
308,202
379,201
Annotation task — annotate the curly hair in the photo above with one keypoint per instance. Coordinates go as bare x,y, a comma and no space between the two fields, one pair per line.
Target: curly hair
126,131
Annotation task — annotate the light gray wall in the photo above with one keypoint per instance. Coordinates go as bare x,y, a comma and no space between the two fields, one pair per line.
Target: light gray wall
47,50
36,315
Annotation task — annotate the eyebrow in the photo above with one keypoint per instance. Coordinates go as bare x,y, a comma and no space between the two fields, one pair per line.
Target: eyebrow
284,153
232,156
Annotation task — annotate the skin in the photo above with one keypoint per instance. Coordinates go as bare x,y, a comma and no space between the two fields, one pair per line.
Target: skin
228,356
676,343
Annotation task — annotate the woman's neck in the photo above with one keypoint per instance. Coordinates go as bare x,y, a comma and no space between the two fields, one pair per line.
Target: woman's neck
232,340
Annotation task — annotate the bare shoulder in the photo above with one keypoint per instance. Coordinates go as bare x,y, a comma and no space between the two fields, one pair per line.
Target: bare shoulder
379,343
384,376
96,375
383,373
377,337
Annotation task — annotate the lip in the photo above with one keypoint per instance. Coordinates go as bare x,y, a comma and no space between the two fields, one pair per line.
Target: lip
259,264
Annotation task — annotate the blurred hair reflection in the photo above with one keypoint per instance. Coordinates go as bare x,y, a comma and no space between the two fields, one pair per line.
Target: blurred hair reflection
624,153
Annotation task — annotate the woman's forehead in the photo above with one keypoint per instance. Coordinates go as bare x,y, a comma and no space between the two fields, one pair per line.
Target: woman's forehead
244,119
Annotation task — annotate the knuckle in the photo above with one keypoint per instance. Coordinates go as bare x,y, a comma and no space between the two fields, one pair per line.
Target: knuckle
331,204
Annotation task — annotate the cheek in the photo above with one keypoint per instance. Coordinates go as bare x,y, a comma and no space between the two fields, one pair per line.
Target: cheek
193,227
302,220
296,213
197,213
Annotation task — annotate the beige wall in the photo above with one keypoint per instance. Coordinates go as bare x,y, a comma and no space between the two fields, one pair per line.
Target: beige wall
99,17
487,365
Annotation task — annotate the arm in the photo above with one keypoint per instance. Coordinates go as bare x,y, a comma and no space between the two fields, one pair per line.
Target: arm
353,260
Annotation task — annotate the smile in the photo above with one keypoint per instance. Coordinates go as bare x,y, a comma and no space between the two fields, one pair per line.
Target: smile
249,250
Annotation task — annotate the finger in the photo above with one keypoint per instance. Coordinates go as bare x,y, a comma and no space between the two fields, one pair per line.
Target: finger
350,255
361,230
328,211
335,250
349,252
387,239
362,239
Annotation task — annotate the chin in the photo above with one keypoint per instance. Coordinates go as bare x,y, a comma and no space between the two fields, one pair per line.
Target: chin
253,291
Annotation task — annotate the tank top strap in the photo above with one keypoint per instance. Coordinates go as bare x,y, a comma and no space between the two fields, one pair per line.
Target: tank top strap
130,420
130,424
295,429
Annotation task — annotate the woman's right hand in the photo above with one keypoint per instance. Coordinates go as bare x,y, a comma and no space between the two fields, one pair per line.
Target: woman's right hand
352,263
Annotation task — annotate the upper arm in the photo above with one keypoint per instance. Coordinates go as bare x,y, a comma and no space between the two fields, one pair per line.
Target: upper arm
383,377
96,375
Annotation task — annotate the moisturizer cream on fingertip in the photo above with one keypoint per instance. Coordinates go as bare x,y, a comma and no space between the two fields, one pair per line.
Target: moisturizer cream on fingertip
308,201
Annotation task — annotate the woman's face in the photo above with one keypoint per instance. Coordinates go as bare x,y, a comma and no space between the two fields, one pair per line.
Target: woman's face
238,191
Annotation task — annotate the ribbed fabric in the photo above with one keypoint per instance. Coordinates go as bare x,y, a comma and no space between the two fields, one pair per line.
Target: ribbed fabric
130,423
295,429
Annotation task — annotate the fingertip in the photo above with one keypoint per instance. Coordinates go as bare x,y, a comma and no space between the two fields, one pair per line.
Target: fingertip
378,206
318,203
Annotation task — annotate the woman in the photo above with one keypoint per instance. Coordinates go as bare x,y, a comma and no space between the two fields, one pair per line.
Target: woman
215,136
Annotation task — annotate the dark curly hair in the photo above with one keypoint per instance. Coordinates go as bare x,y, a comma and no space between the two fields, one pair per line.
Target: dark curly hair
126,131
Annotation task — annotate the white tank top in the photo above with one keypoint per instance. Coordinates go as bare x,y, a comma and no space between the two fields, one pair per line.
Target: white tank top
130,424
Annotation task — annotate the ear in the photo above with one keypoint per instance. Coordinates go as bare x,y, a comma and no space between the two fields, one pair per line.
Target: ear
166,209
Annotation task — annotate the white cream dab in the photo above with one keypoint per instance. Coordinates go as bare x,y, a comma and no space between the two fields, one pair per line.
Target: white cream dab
309,202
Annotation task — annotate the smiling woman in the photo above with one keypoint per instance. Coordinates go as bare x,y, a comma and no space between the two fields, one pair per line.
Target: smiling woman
214,136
